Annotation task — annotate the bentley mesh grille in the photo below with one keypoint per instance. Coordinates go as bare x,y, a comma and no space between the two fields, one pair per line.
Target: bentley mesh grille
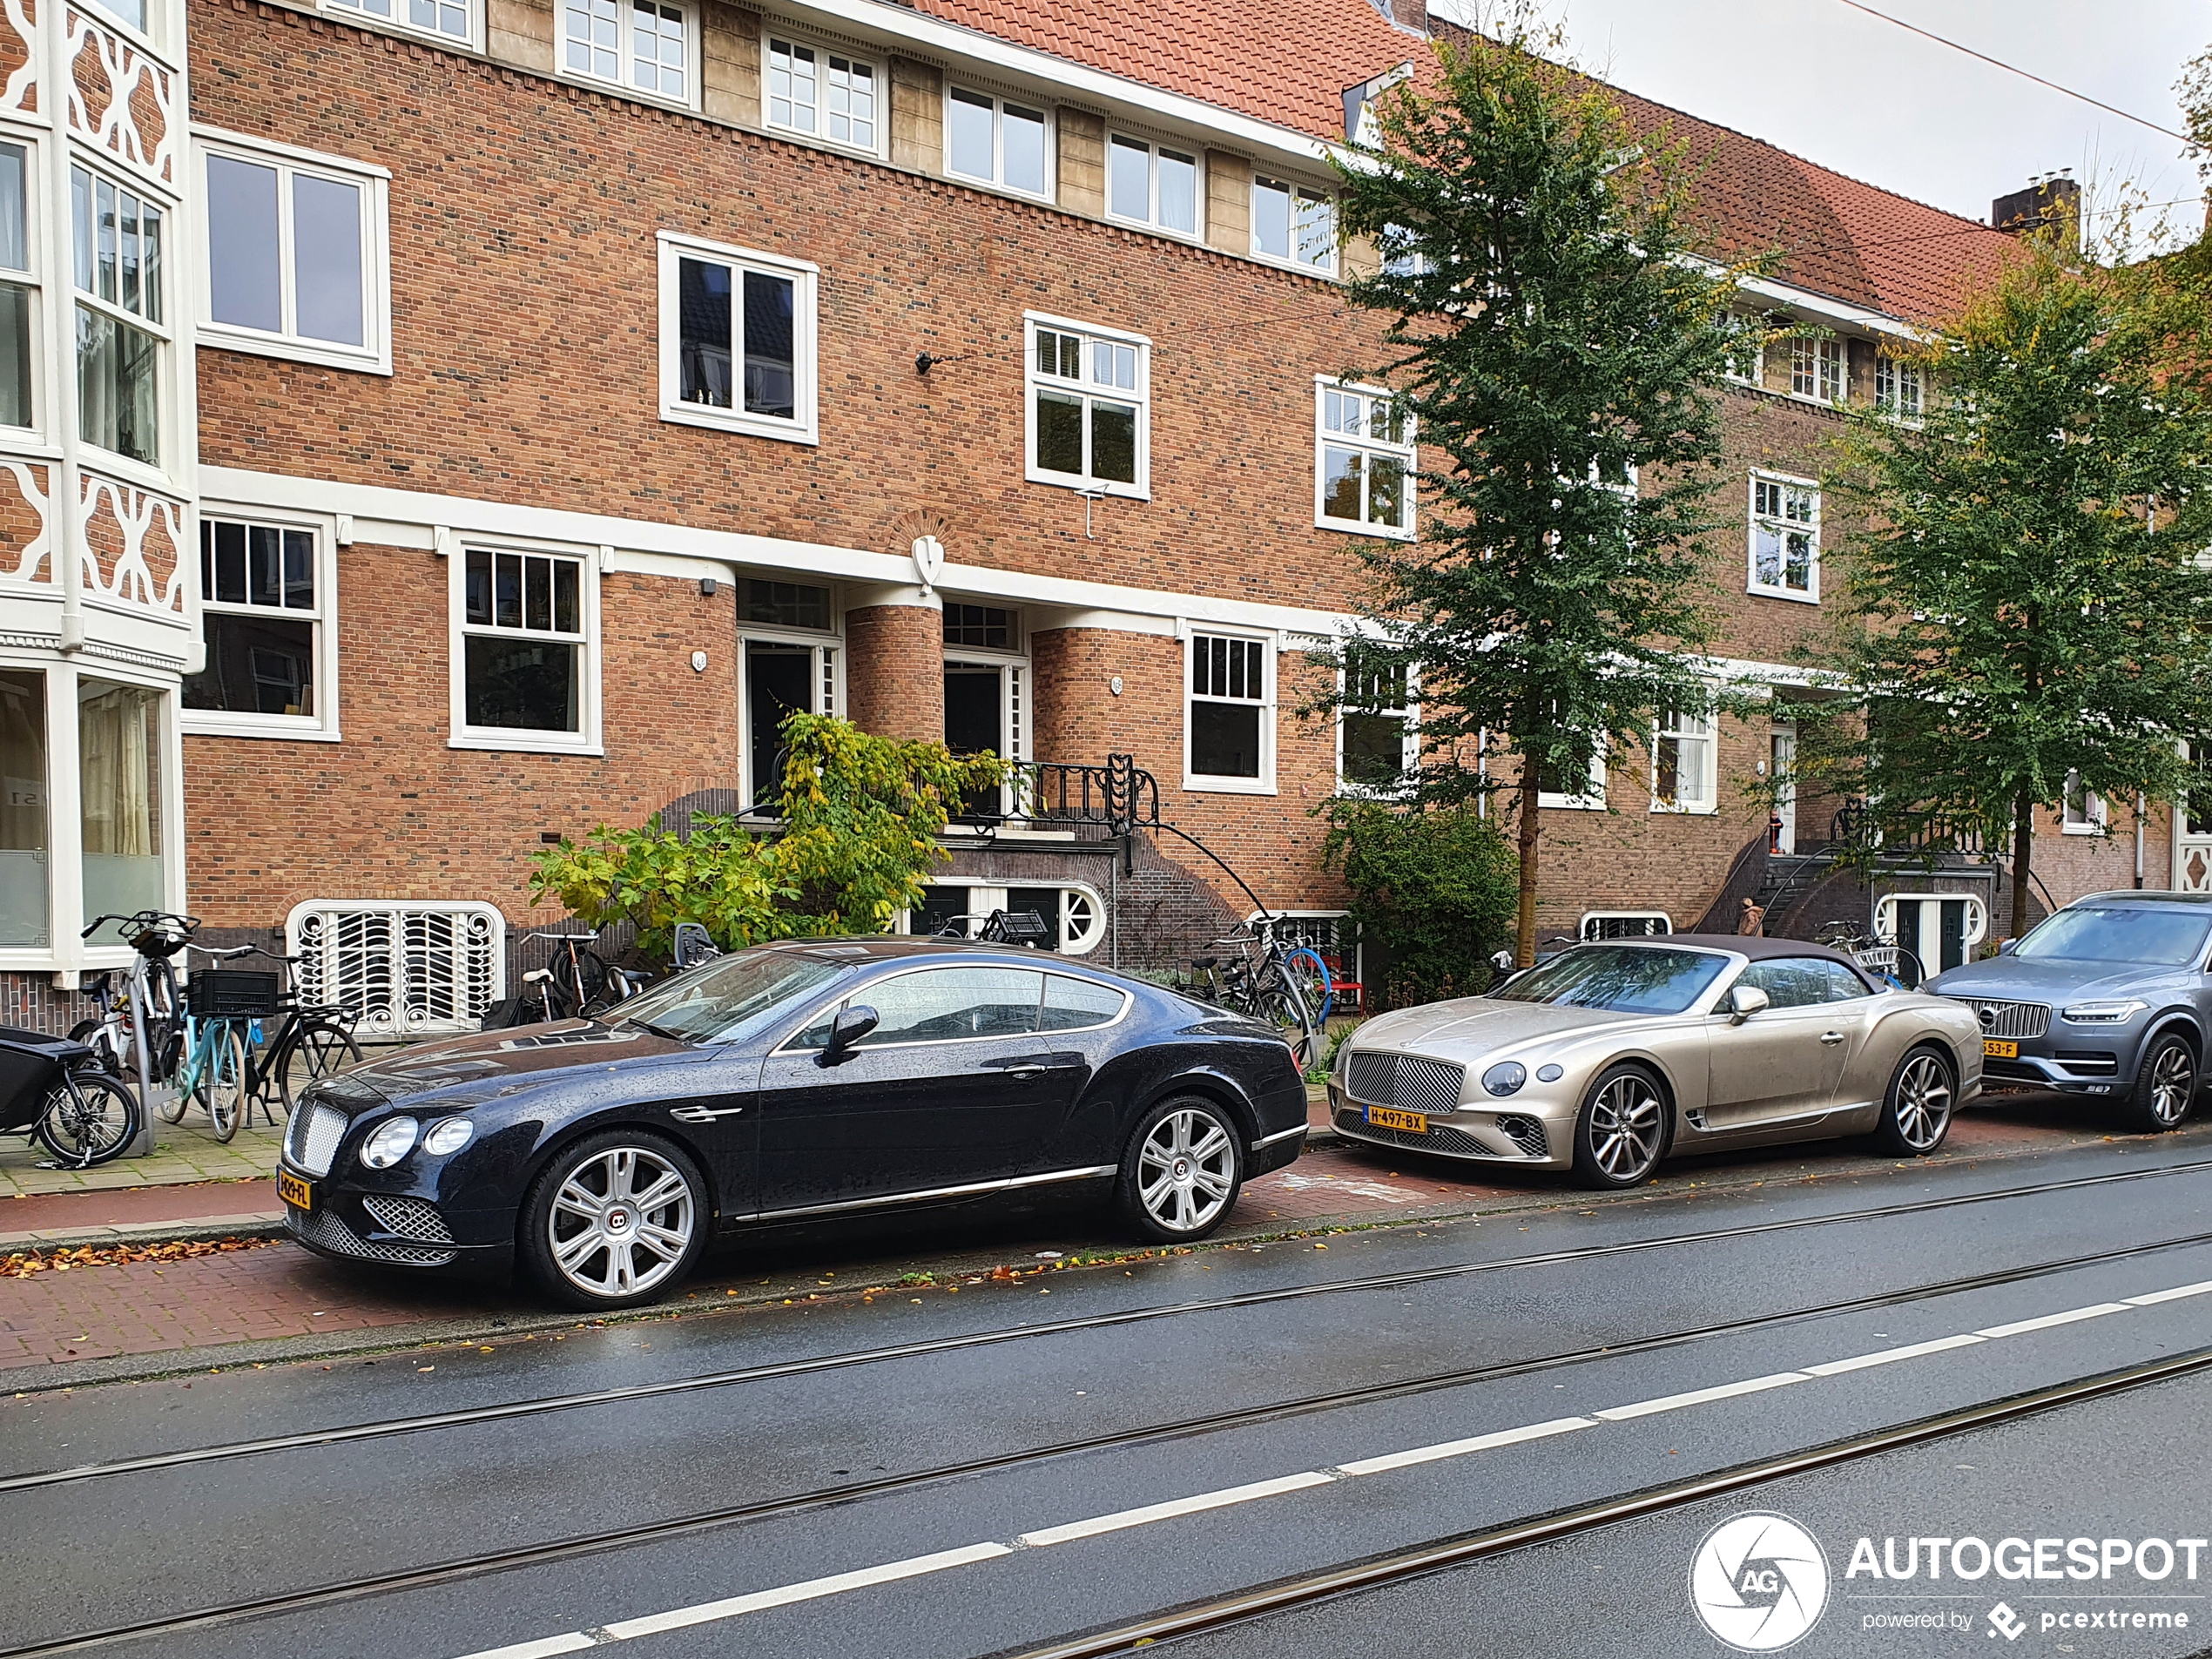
1407,1081
1528,1134
1457,1143
408,1217
2013,1020
311,1139
330,1232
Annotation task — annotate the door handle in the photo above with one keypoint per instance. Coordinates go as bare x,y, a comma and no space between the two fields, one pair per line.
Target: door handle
1830,1038
1023,1073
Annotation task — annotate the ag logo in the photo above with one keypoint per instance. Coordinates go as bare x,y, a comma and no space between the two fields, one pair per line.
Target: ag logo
1760,1582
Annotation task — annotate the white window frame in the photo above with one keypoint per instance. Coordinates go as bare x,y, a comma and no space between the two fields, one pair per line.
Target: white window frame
1301,197
373,354
1751,371
166,389
1323,440
322,725
1409,742
1583,927
34,283
992,890
825,677
997,180
1818,363
585,739
1892,375
804,426
2082,811
1033,380
1193,153
1592,799
772,30
1702,730
355,13
624,80
1783,525
1209,783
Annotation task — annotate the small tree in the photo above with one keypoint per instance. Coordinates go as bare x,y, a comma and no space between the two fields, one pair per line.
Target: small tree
2031,603
1558,352
1436,890
860,819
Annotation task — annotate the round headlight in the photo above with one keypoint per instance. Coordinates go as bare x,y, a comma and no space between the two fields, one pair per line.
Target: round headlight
1506,1077
448,1135
1549,1074
391,1143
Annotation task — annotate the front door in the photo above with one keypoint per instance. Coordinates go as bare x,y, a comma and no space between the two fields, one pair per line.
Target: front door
2193,837
974,722
1782,760
955,1087
1786,1060
779,680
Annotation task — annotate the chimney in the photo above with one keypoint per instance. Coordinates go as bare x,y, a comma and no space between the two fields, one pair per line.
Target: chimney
2052,200
1414,14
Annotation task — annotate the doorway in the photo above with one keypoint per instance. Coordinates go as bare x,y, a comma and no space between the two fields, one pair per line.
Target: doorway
1782,760
1941,929
779,680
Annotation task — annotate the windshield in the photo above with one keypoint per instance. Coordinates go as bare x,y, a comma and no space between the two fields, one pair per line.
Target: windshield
2162,938
1628,978
730,997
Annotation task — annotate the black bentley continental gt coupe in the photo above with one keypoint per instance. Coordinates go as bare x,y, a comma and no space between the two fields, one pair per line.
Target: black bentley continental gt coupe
795,1081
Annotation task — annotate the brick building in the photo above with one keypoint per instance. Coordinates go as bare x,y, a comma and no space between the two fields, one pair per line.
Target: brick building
485,416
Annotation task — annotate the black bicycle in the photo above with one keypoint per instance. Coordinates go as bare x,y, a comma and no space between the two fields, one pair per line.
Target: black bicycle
1266,979
578,981
289,1043
56,1091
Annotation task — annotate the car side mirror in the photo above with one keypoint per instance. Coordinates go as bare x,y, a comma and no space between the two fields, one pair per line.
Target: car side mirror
1745,1001
2005,946
852,1024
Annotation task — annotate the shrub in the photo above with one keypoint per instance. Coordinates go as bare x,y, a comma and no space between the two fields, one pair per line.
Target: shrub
1436,889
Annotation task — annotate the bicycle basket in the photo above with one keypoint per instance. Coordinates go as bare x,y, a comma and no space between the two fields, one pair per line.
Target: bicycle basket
226,993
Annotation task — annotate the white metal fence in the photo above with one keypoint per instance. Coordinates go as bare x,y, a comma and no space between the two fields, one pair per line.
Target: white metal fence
406,969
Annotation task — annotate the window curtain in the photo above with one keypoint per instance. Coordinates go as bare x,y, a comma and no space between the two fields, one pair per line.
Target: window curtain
115,732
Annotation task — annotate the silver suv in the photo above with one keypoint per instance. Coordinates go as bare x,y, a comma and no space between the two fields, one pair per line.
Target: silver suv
2110,995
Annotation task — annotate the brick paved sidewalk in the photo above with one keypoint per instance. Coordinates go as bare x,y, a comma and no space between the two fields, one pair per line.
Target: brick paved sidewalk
183,1152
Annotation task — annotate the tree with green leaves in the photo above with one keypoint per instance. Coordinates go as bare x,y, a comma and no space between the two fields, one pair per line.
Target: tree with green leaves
860,818
2029,609
1559,350
1435,890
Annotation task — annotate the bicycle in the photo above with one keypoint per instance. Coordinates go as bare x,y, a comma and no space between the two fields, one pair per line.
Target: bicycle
1267,984
148,1018
1884,958
215,1070
579,982
56,1090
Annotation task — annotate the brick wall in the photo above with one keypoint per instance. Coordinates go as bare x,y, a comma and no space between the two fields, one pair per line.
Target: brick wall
894,671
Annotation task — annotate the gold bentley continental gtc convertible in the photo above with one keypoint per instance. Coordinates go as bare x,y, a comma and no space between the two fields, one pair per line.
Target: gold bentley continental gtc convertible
1611,1057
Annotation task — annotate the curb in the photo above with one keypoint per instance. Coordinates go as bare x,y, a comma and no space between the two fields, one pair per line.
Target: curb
256,1224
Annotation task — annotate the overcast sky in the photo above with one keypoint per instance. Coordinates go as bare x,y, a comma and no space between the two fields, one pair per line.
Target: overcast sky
1874,101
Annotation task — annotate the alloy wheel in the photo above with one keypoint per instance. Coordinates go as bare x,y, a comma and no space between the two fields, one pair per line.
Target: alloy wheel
2173,1084
1186,1170
1626,1120
1923,1102
622,1222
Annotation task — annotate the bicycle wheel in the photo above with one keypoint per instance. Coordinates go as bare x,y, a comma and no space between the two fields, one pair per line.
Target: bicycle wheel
1309,973
166,1055
1281,1006
89,1117
221,1085
1908,972
319,1050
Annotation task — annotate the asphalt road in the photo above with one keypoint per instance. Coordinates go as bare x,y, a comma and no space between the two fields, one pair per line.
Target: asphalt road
996,1471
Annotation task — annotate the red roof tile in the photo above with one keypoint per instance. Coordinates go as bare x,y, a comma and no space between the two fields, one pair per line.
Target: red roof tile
1288,62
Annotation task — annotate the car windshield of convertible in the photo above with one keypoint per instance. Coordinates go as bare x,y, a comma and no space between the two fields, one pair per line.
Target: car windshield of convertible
729,999
2158,938
1627,979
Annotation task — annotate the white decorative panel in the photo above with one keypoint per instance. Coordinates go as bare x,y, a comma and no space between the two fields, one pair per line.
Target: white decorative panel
405,969
121,99
134,541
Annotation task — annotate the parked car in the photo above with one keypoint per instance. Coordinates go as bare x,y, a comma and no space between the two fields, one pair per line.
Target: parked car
2109,997
1613,1055
788,1082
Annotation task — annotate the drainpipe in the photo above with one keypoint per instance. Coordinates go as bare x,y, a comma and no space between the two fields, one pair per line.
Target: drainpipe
1482,772
2138,840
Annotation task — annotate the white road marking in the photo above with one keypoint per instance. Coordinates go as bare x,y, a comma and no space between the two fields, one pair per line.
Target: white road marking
836,1584
1151,1512
1460,1448
2021,1327
918,1565
1699,1396
2154,1298
1890,1356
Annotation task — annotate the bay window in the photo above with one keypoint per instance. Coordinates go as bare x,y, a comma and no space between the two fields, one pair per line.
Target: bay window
118,247
119,786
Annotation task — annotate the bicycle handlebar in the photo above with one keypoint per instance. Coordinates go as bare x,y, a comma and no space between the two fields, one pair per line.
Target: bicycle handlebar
563,939
142,920
220,952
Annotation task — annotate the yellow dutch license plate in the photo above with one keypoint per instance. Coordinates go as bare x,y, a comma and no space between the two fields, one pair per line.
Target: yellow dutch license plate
1994,1049
295,1191
1391,1117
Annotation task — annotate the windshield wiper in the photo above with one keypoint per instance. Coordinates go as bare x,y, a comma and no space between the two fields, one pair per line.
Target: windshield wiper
658,1030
